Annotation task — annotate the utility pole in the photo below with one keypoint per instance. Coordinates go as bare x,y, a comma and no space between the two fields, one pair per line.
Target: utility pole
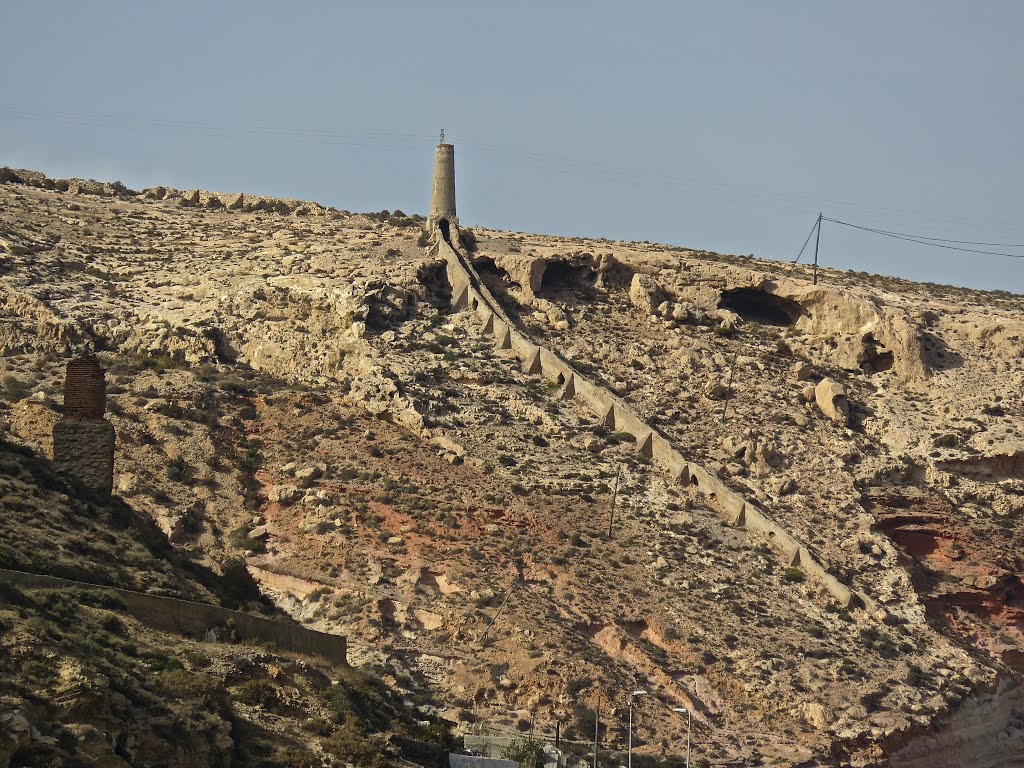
615,494
597,725
817,240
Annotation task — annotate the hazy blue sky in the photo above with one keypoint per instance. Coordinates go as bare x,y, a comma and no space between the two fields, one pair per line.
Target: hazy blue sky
721,125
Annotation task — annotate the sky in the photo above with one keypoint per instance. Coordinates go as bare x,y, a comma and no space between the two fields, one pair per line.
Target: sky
712,124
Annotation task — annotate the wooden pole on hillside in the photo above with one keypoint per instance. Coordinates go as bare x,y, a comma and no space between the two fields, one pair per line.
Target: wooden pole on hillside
597,725
728,386
498,613
817,241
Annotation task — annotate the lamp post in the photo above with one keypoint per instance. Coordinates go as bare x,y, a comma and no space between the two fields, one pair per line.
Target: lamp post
629,742
681,710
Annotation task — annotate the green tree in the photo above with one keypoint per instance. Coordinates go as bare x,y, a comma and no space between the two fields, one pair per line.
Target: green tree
527,752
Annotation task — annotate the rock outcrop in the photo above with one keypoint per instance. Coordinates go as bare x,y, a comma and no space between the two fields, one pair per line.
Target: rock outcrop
831,398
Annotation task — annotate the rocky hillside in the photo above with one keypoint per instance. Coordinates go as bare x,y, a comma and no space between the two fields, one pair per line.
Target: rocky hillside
299,386
86,683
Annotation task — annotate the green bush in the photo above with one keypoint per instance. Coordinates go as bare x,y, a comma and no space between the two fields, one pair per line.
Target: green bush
197,659
349,743
794,575
257,693
252,458
239,538
296,757
527,752
15,389
195,686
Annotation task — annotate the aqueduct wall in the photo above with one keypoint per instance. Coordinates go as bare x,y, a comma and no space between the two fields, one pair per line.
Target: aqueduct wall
185,617
469,292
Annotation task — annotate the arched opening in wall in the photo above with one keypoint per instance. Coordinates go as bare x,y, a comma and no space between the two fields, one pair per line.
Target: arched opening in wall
499,282
560,276
445,228
757,306
494,277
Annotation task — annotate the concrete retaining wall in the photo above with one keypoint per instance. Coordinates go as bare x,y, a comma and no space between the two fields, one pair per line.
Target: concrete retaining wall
470,292
185,617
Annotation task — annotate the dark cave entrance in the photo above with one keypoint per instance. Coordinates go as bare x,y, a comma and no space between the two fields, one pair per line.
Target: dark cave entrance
445,228
493,275
562,276
876,357
434,277
757,306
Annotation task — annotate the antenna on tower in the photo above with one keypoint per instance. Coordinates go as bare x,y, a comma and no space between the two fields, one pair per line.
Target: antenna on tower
442,137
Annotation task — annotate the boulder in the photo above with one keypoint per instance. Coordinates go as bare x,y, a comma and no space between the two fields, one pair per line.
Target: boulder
645,293
816,715
283,494
306,475
781,486
831,398
715,390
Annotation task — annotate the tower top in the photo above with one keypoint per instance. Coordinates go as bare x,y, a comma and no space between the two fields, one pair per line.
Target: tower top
442,137
85,389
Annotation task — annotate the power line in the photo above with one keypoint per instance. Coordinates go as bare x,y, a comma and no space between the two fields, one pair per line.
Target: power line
939,239
923,240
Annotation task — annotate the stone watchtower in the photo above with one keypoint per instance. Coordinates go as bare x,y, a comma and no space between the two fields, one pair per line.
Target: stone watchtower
83,440
442,201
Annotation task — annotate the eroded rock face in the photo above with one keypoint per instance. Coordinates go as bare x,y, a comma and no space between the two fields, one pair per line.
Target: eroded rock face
987,732
526,271
870,336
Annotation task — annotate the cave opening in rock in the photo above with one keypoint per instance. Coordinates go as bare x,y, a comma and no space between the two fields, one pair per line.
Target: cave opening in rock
434,278
445,230
562,276
491,273
757,306
876,357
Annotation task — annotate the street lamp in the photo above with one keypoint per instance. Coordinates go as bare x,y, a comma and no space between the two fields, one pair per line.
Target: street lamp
681,710
629,744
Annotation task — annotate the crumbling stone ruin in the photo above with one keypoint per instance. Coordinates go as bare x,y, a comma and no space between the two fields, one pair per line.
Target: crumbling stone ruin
83,440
